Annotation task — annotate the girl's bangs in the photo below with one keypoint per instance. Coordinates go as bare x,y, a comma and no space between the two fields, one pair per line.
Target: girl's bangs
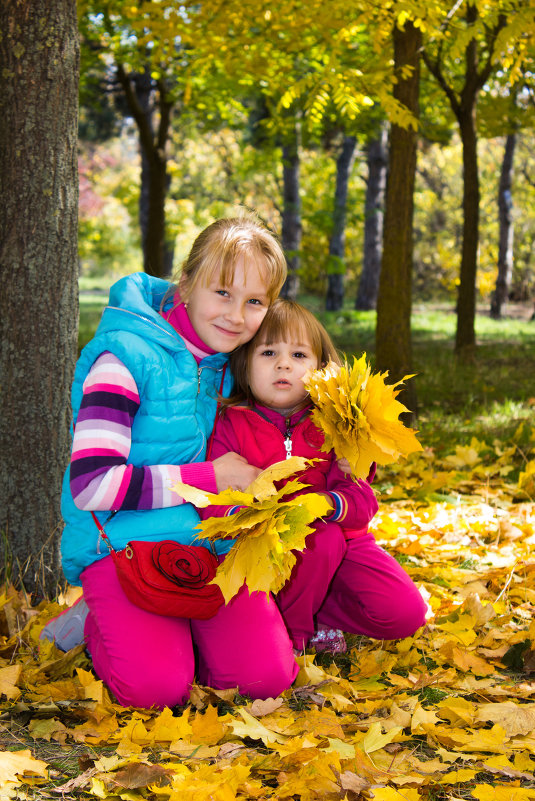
285,324
224,265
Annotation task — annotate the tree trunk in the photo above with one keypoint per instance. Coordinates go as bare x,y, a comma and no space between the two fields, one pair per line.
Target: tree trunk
39,60
140,92
335,272
291,214
505,247
465,339
393,346
373,222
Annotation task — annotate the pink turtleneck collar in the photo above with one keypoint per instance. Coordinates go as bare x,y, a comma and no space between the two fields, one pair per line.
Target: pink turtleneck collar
178,317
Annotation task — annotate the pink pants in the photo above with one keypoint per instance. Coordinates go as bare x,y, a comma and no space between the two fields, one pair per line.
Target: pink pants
149,660
353,585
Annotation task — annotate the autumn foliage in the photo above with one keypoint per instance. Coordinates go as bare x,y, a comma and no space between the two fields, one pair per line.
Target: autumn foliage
359,415
446,714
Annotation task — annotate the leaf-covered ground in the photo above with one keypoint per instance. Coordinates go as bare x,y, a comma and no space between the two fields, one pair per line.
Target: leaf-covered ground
447,714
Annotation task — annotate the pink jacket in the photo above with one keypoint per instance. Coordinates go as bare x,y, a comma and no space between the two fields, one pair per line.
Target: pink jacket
264,437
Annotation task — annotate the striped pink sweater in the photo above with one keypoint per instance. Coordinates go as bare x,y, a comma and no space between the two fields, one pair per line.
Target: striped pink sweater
101,477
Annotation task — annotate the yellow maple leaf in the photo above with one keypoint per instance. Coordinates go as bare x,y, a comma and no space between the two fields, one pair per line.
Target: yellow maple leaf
251,727
207,727
9,677
14,765
501,792
358,414
375,739
391,794
515,718
266,531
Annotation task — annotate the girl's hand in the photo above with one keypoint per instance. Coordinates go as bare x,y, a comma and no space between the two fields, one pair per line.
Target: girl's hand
344,465
233,471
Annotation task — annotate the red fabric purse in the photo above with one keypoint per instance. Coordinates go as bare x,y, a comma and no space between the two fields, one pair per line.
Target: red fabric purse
167,578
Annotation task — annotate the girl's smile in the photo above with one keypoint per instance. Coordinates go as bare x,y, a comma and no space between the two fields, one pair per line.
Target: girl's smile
225,317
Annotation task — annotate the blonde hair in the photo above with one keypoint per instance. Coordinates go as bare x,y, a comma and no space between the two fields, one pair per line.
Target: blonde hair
217,249
285,320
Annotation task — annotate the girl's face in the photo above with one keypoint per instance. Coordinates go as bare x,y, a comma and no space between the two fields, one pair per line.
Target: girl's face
276,373
225,317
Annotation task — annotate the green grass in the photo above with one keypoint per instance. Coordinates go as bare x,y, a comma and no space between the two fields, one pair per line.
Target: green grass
93,298
488,399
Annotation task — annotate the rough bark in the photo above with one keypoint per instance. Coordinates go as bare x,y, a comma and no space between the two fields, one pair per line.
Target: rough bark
393,347
39,61
291,214
377,158
141,92
335,277
506,230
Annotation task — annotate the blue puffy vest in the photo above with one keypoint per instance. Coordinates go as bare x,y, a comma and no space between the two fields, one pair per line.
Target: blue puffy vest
172,426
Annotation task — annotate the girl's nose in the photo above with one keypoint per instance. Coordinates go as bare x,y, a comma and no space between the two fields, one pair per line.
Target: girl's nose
235,314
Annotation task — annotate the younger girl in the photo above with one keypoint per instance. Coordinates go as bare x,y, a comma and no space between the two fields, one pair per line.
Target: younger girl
343,579
144,401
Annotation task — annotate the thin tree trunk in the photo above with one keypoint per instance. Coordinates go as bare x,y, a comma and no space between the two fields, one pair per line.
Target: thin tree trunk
39,61
140,92
335,276
465,339
373,222
291,214
393,347
464,105
505,246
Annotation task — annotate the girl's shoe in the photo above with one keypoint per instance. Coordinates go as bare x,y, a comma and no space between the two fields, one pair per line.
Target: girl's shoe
66,630
328,640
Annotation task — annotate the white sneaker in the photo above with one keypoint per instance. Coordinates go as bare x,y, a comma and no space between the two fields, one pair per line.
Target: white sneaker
66,630
331,641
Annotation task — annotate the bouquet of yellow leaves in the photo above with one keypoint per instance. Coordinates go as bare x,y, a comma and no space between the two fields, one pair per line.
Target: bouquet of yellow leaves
266,531
358,414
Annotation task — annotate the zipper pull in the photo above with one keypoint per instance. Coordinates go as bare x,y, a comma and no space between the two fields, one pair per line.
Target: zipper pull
199,371
288,439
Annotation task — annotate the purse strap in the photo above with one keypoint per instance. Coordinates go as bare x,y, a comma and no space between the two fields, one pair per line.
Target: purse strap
101,530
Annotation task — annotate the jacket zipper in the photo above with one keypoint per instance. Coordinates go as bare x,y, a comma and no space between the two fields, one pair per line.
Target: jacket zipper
288,438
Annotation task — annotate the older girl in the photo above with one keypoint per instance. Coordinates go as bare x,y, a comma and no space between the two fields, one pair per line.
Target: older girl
144,400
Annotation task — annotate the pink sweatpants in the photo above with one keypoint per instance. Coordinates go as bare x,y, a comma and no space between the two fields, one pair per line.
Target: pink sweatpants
353,585
150,660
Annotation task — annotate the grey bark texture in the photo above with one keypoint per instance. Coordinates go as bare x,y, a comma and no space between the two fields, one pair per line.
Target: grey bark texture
335,278
291,213
377,157
39,62
506,230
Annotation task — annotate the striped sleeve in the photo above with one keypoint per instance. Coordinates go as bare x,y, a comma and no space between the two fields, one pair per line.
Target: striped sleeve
354,502
100,476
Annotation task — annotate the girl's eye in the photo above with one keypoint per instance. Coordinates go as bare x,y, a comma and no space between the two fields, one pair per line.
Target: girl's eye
255,302
222,292
267,353
299,355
